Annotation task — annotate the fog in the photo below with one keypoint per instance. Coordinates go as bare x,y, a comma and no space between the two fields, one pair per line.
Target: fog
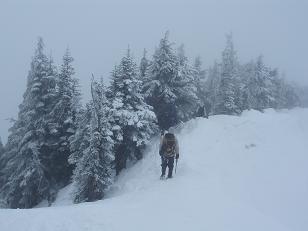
98,33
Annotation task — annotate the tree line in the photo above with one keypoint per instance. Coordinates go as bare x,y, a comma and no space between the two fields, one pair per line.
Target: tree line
56,140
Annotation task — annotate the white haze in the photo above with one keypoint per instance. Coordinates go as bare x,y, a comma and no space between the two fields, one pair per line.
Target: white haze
98,32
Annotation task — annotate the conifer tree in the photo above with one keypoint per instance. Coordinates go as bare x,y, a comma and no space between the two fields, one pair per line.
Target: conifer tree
144,65
143,71
283,93
228,84
200,80
258,87
93,174
133,119
80,141
170,89
212,86
1,164
187,101
262,86
292,98
302,94
1,148
64,116
247,75
26,181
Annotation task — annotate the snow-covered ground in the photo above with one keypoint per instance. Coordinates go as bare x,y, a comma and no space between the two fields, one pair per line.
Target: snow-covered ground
235,173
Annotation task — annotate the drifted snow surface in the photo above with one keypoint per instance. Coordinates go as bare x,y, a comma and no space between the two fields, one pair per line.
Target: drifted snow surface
234,174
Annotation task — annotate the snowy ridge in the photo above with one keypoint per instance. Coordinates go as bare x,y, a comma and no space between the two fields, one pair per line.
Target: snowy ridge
235,173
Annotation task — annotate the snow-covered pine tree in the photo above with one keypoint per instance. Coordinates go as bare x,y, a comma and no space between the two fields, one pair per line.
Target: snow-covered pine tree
212,86
1,164
261,90
283,93
264,88
228,85
302,93
26,182
143,71
64,117
170,89
1,148
93,174
134,122
187,102
162,74
278,90
292,98
200,80
80,141
144,65
247,73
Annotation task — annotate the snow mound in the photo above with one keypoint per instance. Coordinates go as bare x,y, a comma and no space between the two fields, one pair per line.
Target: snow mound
235,173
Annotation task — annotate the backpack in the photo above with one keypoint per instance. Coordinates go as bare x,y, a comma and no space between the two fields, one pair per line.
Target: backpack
169,145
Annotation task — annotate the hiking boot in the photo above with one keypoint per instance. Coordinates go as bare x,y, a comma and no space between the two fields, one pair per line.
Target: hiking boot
162,176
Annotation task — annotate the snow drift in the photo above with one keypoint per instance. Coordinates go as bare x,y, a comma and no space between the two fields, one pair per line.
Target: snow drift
235,173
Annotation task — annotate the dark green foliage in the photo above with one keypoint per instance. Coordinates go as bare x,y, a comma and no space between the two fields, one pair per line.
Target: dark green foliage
64,116
26,176
170,88
133,120
92,149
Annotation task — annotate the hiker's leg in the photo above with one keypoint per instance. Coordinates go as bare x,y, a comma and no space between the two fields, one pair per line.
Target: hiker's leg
163,165
170,166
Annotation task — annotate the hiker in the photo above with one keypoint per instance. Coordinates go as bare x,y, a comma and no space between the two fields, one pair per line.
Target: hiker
208,107
201,111
168,150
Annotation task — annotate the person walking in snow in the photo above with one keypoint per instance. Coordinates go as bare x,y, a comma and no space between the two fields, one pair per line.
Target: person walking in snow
208,107
168,150
201,111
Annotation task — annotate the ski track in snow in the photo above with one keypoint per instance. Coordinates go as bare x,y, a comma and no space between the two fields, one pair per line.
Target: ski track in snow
234,173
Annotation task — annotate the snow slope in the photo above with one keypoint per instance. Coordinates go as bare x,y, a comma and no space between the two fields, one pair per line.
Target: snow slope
235,173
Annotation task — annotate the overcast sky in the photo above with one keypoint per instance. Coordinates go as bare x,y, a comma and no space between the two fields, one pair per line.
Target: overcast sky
98,33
